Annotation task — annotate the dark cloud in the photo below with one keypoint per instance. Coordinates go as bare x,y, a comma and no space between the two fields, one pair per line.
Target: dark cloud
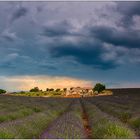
18,13
127,38
128,10
84,53
57,29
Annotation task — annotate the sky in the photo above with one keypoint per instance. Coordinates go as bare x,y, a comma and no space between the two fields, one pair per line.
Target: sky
64,44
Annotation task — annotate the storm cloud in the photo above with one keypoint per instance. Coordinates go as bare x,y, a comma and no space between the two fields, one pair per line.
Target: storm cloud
97,41
128,11
128,38
85,53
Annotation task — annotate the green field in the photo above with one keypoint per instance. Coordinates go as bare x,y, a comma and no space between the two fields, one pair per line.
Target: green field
93,117
39,94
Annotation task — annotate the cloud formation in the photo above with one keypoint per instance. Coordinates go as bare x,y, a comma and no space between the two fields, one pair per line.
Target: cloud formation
128,11
57,29
128,38
84,53
90,40
18,13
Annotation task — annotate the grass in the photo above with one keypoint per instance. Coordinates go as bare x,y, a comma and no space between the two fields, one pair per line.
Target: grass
39,94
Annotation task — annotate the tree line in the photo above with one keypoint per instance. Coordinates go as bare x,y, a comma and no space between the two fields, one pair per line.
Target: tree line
98,88
36,89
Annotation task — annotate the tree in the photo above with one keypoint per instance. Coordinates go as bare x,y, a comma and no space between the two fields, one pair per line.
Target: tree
64,89
35,89
2,91
47,89
57,90
99,87
71,88
51,89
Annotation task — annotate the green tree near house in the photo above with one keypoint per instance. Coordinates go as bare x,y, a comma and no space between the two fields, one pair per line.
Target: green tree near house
99,87
2,91
35,89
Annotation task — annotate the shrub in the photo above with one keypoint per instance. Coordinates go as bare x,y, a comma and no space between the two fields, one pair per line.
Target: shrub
22,92
57,93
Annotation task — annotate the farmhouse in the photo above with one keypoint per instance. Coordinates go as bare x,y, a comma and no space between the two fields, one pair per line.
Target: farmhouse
79,92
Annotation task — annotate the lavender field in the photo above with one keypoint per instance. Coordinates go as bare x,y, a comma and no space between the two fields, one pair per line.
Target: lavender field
70,118
69,69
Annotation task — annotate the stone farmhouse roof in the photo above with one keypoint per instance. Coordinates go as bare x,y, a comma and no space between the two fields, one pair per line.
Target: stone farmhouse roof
79,91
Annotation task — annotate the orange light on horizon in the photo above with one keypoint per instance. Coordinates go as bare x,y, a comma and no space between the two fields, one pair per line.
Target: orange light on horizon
25,83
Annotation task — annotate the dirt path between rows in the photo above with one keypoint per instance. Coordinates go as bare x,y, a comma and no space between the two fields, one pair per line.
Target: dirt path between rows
86,122
86,125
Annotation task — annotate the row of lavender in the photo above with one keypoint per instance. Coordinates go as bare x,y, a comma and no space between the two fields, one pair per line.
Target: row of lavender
125,108
67,126
105,126
38,114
